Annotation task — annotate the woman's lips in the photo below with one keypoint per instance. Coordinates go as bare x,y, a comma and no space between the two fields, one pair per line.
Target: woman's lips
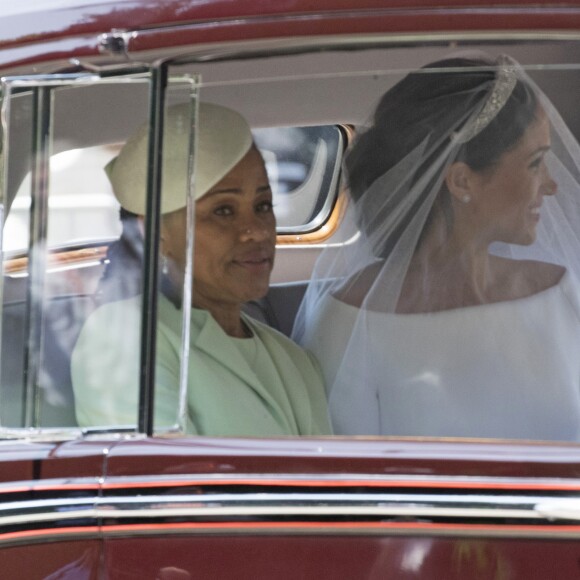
256,262
535,212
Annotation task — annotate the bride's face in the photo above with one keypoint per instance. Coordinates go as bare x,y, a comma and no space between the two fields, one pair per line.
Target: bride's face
508,197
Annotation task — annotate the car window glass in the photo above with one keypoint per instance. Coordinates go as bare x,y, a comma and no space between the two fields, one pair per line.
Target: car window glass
373,82
302,164
48,297
80,187
60,216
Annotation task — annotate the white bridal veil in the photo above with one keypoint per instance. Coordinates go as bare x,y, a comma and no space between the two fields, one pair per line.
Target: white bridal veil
454,311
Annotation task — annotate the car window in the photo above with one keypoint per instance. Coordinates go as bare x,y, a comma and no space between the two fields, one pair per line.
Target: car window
303,165
82,252
57,196
393,381
50,295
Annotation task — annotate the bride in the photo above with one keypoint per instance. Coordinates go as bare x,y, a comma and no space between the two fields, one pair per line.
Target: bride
456,312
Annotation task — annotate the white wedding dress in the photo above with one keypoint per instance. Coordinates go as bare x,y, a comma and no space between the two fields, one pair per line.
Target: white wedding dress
503,370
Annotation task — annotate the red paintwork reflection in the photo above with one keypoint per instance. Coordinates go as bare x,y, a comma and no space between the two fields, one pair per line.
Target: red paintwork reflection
72,30
87,17
320,558
52,561
27,461
17,459
76,459
366,456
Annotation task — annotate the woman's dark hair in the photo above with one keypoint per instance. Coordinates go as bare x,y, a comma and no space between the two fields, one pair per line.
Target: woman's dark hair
426,106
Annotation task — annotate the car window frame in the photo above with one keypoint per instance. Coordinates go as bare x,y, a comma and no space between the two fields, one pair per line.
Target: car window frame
37,258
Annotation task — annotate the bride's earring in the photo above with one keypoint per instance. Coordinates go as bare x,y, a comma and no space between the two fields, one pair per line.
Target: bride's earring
164,265
466,198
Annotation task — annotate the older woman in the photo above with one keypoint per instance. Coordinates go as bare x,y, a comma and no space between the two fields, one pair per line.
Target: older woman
457,311
244,379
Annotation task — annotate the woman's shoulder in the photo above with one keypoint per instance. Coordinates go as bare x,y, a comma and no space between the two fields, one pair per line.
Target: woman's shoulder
285,351
529,277
546,274
274,339
112,315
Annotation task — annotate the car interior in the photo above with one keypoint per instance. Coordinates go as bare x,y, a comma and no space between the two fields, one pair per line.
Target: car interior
304,99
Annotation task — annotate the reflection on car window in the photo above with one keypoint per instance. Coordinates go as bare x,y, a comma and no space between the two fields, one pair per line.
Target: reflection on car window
82,207
49,293
302,164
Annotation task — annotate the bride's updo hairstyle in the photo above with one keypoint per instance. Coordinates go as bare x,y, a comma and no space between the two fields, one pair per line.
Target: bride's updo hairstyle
415,123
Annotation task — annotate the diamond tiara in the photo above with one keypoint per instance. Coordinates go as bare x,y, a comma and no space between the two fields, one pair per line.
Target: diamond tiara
503,87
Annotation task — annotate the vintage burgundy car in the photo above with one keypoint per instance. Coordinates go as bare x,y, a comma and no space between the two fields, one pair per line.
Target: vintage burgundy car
138,501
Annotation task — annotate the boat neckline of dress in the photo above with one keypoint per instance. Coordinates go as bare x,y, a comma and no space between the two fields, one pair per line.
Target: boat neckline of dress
563,281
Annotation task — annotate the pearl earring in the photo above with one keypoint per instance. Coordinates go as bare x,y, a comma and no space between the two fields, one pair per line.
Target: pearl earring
466,198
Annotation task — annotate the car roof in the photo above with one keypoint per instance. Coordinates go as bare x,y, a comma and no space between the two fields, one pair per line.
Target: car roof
23,22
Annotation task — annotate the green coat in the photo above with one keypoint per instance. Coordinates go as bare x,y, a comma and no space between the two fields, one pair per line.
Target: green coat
278,392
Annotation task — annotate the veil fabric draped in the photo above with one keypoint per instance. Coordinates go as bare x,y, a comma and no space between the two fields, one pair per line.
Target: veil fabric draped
455,310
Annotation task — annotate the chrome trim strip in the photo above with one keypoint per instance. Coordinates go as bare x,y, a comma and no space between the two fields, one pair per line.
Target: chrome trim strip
47,510
65,485
339,504
309,514
151,244
559,509
133,483
410,506
42,121
324,504
332,478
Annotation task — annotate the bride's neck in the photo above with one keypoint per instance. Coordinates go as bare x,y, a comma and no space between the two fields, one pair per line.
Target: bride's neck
455,263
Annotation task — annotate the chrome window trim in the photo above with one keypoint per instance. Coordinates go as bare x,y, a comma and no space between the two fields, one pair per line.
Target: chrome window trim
412,507
148,339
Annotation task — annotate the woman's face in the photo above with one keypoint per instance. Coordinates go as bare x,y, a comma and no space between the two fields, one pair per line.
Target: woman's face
235,236
508,197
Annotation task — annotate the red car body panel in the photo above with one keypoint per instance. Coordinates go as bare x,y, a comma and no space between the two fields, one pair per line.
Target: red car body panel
289,557
430,458
129,547
71,29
